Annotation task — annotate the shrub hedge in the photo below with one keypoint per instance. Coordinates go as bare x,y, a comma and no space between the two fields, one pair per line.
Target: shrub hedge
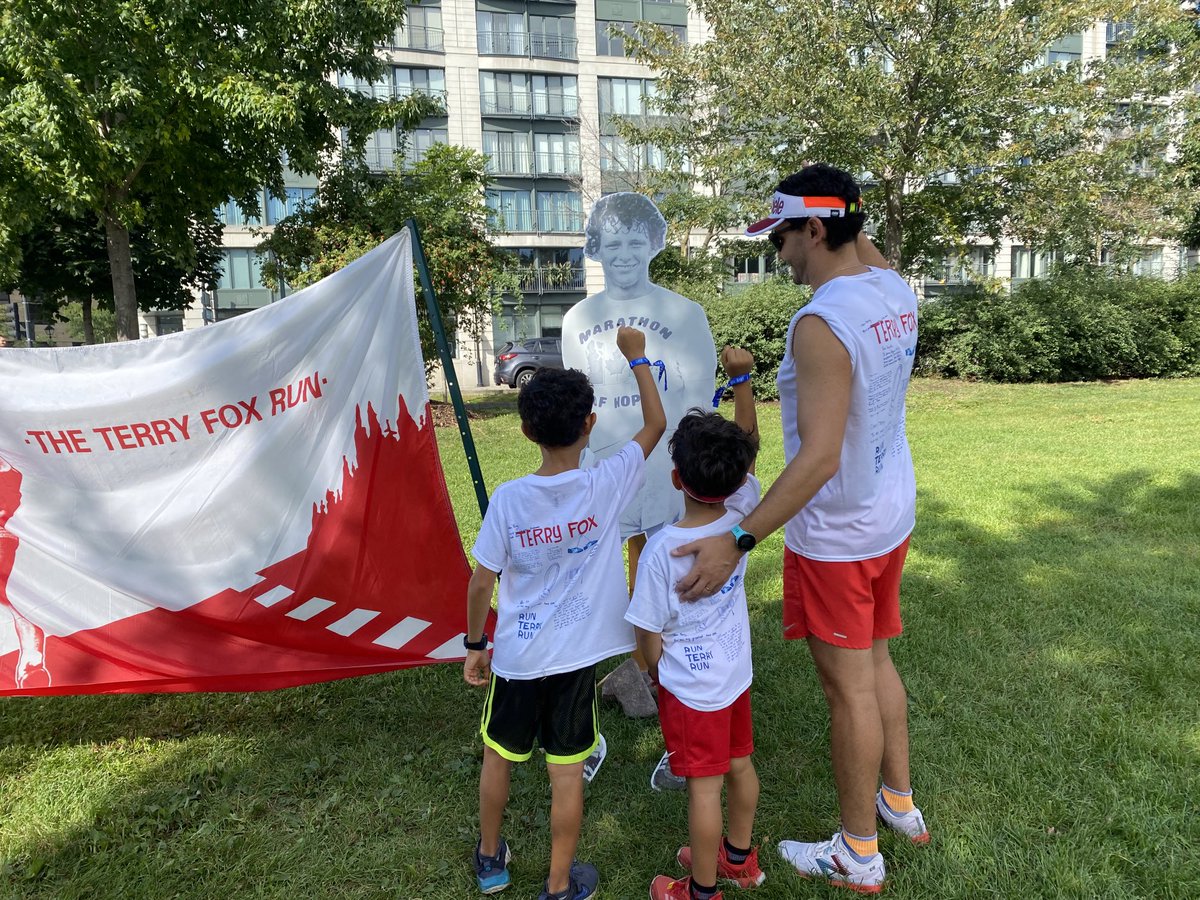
1076,325
756,317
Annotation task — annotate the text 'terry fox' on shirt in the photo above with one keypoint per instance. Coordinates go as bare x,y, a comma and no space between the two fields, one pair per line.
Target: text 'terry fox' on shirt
556,541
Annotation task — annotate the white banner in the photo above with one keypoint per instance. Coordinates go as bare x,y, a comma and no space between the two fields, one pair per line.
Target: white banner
251,504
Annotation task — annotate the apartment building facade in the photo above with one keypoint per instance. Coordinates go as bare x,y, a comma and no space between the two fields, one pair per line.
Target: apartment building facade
534,84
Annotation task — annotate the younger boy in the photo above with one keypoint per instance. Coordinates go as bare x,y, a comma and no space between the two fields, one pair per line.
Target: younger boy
700,652
556,536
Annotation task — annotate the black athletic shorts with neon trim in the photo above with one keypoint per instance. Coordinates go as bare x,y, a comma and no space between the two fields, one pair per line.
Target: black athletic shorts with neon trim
558,711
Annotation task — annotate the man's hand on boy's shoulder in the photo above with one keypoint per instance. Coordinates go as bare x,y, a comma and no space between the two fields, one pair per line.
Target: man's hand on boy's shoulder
736,361
477,668
631,342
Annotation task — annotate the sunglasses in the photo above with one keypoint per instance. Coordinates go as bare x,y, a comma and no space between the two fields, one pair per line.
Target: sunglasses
776,236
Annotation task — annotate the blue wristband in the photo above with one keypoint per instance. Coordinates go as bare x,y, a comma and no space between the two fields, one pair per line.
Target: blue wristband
641,360
740,379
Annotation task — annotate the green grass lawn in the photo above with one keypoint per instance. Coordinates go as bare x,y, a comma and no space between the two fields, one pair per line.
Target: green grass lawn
1052,610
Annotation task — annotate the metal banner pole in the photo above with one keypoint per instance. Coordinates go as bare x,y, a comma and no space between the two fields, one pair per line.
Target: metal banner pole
443,345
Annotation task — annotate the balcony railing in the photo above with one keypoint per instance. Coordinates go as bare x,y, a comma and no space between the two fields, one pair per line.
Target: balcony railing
545,221
560,221
520,43
552,278
529,104
525,163
418,37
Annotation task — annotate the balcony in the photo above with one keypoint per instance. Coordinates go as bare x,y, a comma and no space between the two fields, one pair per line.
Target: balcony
529,105
519,43
517,221
522,163
418,37
551,278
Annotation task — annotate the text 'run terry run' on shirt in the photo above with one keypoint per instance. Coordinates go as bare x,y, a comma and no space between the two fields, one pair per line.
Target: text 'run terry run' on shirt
869,507
706,644
556,541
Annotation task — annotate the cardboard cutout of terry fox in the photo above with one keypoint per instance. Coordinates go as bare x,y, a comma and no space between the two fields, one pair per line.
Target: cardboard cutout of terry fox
624,232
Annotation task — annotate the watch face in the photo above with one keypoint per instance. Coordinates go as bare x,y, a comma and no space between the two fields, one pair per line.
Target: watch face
746,542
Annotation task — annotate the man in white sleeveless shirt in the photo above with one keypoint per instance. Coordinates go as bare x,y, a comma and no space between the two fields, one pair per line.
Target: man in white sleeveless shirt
847,500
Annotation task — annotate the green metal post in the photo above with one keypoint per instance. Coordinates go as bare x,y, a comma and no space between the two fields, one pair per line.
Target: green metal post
443,345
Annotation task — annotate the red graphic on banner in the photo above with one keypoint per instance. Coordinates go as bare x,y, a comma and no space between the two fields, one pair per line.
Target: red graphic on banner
380,585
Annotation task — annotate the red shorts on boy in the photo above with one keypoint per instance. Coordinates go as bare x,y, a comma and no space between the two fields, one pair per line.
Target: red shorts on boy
702,743
846,604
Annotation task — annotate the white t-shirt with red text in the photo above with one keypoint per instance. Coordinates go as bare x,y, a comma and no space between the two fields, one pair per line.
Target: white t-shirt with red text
706,643
556,542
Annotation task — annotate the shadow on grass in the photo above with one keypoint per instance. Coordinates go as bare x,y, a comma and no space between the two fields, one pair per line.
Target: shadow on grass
1051,662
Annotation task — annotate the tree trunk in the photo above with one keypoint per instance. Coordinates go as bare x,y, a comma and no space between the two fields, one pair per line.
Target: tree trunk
893,221
120,260
89,333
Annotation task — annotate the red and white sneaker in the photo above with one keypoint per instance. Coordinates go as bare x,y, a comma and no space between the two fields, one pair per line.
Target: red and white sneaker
833,861
909,824
744,875
666,888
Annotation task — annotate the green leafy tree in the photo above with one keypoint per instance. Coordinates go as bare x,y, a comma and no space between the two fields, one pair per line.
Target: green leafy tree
64,260
111,107
961,117
356,210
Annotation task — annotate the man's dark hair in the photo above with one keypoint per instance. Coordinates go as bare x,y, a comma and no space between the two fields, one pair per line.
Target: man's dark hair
821,180
711,453
554,404
624,210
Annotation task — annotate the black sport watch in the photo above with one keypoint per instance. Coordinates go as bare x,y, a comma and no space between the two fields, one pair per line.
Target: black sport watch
480,644
745,540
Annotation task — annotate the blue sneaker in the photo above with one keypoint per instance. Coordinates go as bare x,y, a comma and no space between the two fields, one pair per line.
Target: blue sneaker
491,872
582,885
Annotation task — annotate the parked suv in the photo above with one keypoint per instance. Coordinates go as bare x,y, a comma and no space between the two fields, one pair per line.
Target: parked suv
516,363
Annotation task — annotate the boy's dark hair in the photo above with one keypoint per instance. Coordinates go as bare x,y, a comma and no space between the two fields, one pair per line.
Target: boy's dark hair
821,180
711,453
554,404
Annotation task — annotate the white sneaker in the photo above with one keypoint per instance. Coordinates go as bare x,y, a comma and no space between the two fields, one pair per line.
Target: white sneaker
832,860
909,824
663,779
592,764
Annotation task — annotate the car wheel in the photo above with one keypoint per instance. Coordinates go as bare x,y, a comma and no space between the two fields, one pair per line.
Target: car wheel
524,377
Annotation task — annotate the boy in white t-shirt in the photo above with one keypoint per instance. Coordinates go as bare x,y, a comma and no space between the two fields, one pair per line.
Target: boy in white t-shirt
699,652
556,536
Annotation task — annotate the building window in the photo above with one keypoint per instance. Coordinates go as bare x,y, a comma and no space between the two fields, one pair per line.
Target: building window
1028,264
612,44
625,96
1065,51
956,273
510,210
555,95
418,142
168,323
552,37
560,212
1149,264
241,271
422,29
508,153
501,34
556,154
294,200
231,215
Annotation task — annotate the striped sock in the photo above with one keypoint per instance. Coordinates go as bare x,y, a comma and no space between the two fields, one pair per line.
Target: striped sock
862,847
898,801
